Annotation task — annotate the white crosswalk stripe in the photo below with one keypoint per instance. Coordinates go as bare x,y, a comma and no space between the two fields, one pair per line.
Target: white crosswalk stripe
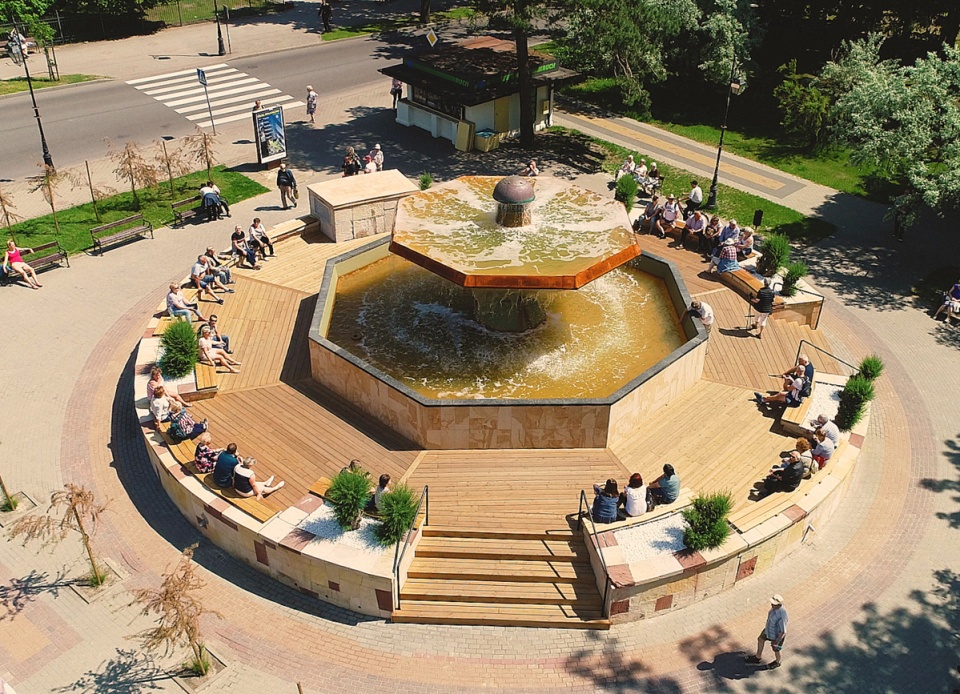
232,94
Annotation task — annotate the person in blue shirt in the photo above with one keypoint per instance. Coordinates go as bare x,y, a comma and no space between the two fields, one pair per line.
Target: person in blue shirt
774,631
226,463
605,502
666,488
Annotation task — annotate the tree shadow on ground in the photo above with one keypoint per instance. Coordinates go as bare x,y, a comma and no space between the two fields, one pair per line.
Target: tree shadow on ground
726,658
952,454
20,592
126,673
136,474
912,648
605,666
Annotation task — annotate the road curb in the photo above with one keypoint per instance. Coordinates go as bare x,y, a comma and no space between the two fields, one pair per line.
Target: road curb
60,87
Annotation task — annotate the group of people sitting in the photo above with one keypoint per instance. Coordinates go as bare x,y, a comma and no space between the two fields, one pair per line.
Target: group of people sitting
807,459
636,498
649,180
213,202
951,303
247,247
797,385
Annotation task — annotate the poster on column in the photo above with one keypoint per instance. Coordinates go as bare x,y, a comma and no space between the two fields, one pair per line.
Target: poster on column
270,136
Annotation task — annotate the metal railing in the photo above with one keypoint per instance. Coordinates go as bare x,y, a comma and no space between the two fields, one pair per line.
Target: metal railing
856,369
584,512
399,553
816,325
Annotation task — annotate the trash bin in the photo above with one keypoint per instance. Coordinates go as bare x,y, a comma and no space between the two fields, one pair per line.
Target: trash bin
486,140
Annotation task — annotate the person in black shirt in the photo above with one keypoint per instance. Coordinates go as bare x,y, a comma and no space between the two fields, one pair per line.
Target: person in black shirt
764,304
784,479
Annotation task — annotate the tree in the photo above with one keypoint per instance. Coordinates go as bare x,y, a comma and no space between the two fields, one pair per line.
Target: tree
133,168
903,119
729,32
804,108
78,510
7,208
178,609
626,40
201,148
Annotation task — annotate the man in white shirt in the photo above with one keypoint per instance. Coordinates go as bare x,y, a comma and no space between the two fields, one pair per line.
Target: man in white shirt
694,199
703,311
626,168
203,277
830,430
671,212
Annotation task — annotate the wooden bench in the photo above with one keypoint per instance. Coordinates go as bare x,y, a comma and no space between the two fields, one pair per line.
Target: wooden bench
40,258
188,209
120,230
746,284
685,498
206,375
793,418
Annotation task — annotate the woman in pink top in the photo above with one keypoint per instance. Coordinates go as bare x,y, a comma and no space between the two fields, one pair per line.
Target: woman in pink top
13,259
156,380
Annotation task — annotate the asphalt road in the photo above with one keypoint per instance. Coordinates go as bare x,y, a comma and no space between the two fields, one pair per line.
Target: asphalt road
80,121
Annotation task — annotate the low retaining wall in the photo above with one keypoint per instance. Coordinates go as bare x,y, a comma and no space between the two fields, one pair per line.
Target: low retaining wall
671,581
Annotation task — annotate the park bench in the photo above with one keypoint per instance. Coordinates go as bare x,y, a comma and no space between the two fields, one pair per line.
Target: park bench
120,230
746,284
42,257
188,209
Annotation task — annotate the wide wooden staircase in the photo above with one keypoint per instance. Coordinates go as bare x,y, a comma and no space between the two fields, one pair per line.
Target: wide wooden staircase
539,578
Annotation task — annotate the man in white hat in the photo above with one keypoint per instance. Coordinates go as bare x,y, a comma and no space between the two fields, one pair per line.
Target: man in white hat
775,632
376,155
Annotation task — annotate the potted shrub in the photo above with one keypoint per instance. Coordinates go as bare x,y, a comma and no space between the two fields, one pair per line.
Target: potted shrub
871,367
853,401
178,349
349,493
398,511
791,275
776,254
627,191
706,519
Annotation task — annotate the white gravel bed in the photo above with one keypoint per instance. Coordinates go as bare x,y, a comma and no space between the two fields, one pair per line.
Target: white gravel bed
647,540
323,524
825,400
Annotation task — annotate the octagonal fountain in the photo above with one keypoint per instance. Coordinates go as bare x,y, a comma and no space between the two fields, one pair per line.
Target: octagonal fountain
505,313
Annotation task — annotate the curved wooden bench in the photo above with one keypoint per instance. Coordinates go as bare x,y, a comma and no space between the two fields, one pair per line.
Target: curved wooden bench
685,498
746,284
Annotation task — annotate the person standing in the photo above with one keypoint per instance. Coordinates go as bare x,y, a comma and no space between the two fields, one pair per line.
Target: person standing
312,103
326,14
764,303
396,91
376,155
703,311
775,632
287,185
351,165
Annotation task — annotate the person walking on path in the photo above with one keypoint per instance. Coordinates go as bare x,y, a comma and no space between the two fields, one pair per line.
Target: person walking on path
764,303
312,104
775,632
326,13
287,185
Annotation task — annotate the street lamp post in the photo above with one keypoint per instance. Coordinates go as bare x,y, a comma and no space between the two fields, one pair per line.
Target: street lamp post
734,88
221,50
47,159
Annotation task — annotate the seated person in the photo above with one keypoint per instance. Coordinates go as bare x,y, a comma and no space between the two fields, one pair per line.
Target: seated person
829,429
182,425
13,262
223,468
605,502
246,484
711,234
666,488
650,213
355,466
205,456
258,239
786,478
696,223
222,271
810,468
726,259
951,302
160,406
745,244
792,396
204,280
383,486
731,231
803,369
215,356
668,216
240,248
653,175
634,496
640,173
216,338
824,449
178,306
156,380
626,168
531,169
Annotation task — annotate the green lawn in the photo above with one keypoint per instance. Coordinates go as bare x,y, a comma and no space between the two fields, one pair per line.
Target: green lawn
193,11
392,24
832,169
76,222
19,84
730,201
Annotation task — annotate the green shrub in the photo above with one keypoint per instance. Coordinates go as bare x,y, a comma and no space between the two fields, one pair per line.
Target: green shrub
706,520
398,511
791,275
853,401
426,180
627,191
871,367
776,254
349,493
178,349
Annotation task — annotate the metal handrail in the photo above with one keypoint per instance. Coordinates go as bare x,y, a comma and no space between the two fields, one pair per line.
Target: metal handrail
584,504
398,553
805,291
820,349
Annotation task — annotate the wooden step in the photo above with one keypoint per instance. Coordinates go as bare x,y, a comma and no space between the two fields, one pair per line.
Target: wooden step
583,592
506,615
482,548
514,571
546,534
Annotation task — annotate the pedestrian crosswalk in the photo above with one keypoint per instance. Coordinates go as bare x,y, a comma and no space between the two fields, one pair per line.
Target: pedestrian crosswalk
232,94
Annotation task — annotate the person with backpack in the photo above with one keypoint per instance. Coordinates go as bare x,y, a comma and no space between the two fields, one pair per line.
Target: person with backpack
803,369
